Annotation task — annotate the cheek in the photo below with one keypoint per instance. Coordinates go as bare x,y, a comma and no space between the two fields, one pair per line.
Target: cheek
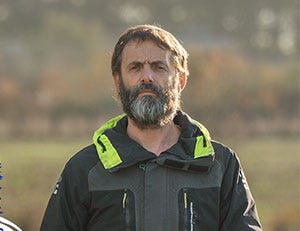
173,83
130,80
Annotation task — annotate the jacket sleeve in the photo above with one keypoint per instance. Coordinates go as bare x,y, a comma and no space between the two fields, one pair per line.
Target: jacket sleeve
238,210
67,207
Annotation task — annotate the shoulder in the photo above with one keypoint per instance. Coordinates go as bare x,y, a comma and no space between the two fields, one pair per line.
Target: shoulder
82,162
224,154
222,148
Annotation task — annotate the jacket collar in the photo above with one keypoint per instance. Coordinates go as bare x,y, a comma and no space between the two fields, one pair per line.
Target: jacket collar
192,152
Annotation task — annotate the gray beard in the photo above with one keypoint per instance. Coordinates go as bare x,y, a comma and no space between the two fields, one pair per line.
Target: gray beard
149,111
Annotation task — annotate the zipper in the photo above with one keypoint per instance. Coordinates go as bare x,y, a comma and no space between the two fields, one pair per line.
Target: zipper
188,213
185,211
126,210
191,216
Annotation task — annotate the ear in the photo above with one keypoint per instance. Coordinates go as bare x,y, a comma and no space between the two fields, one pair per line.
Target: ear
117,82
182,81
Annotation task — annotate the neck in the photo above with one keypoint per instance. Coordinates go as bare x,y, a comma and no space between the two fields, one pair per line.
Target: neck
154,140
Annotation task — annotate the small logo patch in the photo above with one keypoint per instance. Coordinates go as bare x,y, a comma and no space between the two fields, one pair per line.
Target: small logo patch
57,186
243,179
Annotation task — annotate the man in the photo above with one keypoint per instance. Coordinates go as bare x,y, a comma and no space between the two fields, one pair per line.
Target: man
152,168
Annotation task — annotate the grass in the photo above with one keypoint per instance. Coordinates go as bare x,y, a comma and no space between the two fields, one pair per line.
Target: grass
31,168
272,167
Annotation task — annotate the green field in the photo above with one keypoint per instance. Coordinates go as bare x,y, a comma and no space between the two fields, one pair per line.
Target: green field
30,169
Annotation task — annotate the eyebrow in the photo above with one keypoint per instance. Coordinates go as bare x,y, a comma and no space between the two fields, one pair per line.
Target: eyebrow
157,62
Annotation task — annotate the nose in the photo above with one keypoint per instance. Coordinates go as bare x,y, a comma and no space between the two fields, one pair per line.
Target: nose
147,74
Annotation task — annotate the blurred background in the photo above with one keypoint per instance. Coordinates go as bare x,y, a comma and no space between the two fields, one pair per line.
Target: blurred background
56,89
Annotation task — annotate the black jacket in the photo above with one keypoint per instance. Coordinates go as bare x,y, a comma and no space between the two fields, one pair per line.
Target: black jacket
115,184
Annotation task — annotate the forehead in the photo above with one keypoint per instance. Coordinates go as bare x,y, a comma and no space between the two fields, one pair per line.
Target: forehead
146,51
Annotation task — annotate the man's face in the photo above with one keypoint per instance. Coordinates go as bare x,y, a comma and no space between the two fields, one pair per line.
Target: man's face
149,87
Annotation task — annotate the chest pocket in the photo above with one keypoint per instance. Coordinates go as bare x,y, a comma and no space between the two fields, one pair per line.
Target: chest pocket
198,209
112,210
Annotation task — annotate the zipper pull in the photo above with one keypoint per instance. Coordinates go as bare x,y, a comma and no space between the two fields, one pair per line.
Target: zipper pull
124,198
126,210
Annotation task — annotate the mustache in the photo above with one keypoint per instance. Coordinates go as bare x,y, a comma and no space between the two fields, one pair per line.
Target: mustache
146,86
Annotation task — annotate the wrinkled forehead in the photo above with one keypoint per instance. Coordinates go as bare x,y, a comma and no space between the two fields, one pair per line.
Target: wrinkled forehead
146,52
145,49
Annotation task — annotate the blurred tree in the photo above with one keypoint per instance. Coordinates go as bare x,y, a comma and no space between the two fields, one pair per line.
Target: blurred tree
243,53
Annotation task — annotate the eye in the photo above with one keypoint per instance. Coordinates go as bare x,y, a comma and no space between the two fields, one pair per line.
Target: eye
134,67
160,67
